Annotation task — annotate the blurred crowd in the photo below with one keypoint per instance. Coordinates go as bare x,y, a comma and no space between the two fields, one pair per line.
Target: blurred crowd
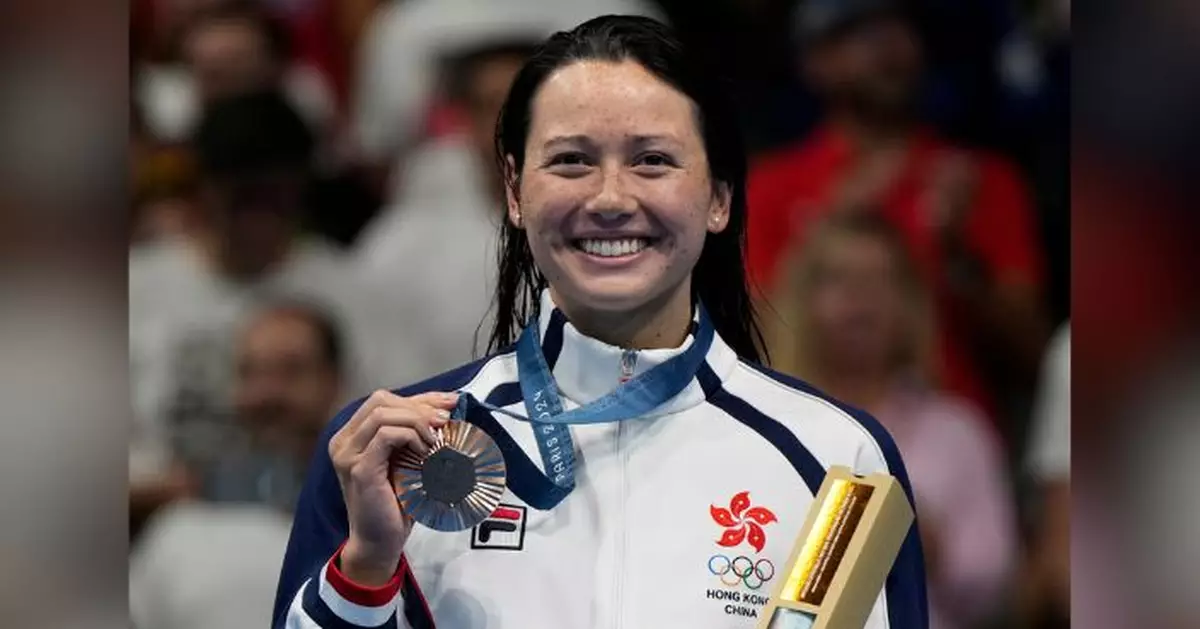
315,206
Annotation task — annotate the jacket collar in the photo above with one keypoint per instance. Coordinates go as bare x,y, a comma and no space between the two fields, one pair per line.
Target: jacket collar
585,369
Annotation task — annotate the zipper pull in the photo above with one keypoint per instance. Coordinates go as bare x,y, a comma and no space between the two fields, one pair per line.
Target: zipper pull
628,361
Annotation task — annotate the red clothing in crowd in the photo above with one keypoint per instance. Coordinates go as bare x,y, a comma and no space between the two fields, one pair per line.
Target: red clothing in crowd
787,191
312,27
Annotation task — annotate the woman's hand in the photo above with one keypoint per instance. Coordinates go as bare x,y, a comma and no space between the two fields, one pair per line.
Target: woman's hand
362,453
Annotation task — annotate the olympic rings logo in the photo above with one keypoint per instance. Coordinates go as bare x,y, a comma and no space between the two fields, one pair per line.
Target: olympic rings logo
741,569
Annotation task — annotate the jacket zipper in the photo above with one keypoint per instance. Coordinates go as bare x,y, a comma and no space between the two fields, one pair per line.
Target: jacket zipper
619,585
628,362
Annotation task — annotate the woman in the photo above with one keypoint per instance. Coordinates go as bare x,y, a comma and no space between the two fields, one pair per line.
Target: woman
855,322
622,250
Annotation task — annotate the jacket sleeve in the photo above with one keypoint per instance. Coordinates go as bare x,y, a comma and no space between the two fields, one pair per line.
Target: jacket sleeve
904,595
312,592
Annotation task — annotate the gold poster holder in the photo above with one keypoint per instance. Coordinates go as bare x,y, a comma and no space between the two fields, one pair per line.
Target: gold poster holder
843,554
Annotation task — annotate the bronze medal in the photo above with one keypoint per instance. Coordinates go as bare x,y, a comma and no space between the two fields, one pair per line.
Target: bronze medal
457,485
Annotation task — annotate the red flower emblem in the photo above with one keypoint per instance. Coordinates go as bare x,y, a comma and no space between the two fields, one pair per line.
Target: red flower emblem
742,523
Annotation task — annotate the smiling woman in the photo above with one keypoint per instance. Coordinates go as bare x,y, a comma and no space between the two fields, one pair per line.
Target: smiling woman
622,390
624,169
615,197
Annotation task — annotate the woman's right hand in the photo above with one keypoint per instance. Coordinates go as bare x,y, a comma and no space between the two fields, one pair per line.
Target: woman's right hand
363,452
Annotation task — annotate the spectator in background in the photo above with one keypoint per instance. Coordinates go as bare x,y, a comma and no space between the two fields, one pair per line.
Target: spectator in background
964,214
253,154
855,322
215,561
225,48
434,252
289,374
238,46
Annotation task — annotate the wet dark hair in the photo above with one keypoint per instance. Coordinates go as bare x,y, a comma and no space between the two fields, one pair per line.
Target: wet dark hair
719,277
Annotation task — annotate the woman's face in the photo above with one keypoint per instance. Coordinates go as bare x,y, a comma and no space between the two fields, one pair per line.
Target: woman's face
615,195
857,302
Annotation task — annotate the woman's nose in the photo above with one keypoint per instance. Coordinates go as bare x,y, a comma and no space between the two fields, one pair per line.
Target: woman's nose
612,200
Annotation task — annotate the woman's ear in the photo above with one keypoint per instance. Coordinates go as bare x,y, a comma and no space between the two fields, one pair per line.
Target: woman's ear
512,193
718,209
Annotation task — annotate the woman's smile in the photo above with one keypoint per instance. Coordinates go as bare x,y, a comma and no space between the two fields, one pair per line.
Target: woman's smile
615,247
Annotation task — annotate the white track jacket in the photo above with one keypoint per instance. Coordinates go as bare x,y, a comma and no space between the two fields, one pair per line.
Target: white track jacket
667,512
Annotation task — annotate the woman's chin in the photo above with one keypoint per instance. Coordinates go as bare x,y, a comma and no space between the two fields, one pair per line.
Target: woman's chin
610,293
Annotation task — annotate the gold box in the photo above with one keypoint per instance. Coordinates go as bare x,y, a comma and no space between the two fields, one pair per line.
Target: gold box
843,554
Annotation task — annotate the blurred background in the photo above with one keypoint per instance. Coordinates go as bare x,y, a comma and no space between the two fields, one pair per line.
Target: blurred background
313,208
68,195
80,169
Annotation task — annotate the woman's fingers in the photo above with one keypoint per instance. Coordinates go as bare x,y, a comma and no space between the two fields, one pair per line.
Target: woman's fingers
440,399
388,440
386,408
384,398
417,417
337,444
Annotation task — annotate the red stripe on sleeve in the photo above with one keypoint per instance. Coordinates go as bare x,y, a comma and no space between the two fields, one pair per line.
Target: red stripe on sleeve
361,594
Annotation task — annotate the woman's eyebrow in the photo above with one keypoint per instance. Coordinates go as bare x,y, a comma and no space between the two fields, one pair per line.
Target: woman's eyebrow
577,140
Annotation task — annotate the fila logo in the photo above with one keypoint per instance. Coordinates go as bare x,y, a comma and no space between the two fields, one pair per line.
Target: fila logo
503,530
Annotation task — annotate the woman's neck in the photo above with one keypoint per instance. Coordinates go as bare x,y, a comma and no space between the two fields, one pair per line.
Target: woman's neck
662,323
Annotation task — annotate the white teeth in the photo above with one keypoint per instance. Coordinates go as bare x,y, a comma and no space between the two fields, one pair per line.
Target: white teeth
613,248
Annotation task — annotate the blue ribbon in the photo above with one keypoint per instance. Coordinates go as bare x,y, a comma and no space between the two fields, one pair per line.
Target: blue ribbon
543,405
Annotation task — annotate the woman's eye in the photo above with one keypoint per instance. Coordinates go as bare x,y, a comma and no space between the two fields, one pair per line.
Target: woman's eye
568,159
654,160
571,164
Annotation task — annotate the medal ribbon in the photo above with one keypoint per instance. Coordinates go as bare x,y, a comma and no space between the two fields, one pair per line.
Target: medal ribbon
543,404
